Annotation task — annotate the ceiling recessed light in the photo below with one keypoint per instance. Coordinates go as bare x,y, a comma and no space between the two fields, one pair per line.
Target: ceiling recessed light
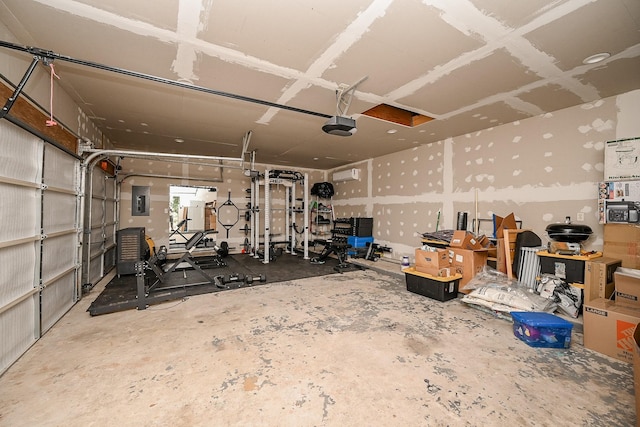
179,140
598,57
392,131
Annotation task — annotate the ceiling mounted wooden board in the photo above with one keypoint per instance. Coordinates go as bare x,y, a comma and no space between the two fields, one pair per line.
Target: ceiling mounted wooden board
36,119
397,115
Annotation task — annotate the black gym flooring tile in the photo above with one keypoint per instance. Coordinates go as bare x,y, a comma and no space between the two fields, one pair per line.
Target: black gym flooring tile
121,292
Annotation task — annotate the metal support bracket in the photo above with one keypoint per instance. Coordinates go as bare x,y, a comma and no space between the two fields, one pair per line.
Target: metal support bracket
16,93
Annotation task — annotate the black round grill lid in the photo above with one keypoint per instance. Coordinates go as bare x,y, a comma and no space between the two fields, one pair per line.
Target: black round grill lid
570,233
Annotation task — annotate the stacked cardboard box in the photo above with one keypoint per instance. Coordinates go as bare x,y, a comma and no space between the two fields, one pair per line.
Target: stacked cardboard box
623,241
434,262
467,255
627,285
609,325
598,277
636,369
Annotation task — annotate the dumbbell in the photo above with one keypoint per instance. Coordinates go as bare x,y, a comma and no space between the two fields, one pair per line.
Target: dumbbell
223,249
234,277
250,279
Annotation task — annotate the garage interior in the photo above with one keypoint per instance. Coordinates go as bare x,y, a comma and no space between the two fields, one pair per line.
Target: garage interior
240,135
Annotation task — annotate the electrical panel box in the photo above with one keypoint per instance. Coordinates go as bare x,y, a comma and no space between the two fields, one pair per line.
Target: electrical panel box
140,200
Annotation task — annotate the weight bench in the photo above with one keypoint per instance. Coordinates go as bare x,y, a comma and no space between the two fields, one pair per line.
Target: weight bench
339,246
177,231
190,246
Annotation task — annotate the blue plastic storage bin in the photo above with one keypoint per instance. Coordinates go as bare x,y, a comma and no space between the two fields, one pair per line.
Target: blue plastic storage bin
541,329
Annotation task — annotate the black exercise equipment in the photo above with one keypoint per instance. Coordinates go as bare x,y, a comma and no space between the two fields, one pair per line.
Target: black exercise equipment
223,249
228,205
186,257
245,245
160,290
339,246
178,227
161,254
249,279
274,251
374,251
122,292
236,280
234,277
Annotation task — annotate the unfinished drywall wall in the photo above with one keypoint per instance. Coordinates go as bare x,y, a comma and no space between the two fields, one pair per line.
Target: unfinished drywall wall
233,185
542,169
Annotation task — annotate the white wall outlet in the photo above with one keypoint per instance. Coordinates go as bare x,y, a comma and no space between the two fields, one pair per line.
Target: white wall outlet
580,216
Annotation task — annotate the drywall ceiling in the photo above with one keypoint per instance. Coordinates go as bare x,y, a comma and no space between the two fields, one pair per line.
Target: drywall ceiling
469,64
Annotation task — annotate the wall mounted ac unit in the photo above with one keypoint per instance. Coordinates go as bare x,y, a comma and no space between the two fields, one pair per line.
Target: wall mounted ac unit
346,175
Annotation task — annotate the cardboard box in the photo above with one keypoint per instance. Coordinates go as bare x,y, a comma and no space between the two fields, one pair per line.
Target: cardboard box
541,329
598,277
622,159
623,241
432,262
465,240
485,242
500,224
438,288
609,328
636,370
210,219
468,263
627,285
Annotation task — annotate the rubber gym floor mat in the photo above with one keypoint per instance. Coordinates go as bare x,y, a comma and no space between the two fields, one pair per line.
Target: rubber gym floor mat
121,292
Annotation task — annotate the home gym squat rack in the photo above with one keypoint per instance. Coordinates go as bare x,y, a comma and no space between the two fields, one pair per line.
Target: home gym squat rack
290,180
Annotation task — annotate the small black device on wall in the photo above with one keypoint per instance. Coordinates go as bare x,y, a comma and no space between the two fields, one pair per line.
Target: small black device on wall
140,198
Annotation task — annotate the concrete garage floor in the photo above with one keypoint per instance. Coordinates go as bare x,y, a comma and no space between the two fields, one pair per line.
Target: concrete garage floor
340,350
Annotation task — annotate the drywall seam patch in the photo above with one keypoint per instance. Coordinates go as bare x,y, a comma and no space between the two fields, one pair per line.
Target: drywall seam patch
470,20
343,42
188,25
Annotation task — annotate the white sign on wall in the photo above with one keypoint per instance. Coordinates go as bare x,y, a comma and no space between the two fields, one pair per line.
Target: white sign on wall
622,159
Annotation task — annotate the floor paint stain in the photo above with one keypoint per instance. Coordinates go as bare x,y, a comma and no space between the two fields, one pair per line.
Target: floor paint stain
250,383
